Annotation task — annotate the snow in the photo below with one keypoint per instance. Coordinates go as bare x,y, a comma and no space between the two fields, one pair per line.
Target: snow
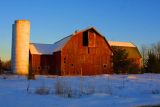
98,91
48,49
39,49
60,44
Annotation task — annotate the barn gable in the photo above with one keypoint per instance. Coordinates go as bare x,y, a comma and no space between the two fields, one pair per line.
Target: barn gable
86,53
94,29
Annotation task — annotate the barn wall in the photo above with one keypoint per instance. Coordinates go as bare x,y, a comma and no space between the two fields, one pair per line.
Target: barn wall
56,63
96,58
40,64
134,55
137,61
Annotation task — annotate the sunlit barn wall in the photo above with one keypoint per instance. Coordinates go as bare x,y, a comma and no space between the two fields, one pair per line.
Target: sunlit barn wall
20,47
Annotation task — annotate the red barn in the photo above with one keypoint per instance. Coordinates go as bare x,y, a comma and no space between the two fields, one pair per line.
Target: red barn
85,52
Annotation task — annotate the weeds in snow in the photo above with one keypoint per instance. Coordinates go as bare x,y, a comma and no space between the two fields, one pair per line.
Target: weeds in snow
62,88
108,88
91,87
42,91
28,86
81,85
59,87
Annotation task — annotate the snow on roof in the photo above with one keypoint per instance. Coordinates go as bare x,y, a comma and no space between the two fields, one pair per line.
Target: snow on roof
36,48
131,49
48,49
123,44
57,46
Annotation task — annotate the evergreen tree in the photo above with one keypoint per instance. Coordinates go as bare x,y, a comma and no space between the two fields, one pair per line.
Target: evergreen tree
133,68
120,61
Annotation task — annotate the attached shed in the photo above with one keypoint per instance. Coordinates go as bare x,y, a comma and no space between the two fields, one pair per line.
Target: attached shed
85,52
40,58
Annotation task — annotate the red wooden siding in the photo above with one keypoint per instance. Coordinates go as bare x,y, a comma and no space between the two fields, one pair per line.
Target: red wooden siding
76,58
96,58
56,63
40,64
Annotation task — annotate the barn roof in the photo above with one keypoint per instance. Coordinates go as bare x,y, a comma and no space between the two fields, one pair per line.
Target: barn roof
131,49
93,28
48,49
123,44
37,48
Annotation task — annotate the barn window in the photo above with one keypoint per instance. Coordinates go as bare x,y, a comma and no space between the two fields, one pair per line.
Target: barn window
104,65
39,68
64,59
85,38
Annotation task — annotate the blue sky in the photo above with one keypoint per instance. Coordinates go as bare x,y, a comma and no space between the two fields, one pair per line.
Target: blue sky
137,21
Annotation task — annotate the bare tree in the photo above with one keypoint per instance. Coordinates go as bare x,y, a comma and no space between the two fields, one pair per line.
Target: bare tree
144,54
153,60
0,66
156,49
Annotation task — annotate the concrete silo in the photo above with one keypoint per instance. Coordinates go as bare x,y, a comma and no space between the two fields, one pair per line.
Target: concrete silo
20,47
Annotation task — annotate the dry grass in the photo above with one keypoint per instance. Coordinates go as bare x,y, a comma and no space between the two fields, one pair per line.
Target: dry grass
62,88
42,91
59,89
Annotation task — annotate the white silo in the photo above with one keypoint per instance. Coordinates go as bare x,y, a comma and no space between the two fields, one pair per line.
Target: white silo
20,47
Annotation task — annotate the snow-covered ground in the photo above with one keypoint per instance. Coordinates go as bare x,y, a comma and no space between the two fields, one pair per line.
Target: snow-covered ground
88,91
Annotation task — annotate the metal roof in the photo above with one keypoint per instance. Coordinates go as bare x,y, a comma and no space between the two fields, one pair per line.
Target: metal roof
124,44
48,49
130,48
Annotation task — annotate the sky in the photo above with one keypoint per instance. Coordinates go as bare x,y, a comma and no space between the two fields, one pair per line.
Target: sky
136,21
